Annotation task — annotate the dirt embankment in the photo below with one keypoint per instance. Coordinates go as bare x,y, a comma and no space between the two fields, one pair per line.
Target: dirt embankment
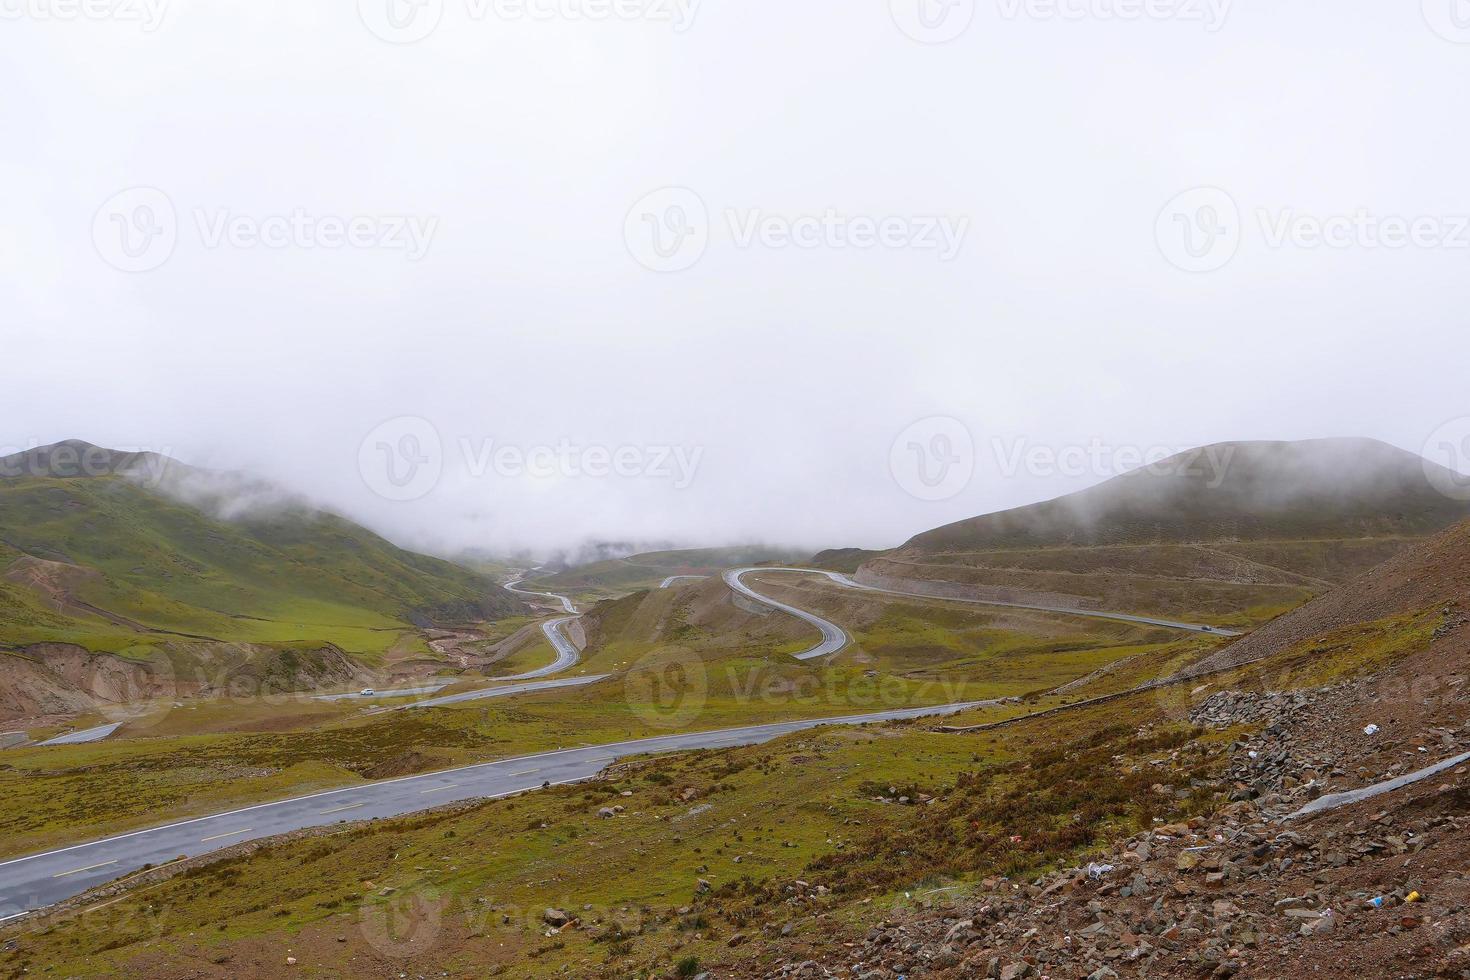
59,679
1434,571
886,574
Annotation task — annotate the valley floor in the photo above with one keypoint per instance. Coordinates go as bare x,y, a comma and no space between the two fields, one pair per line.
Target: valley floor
882,851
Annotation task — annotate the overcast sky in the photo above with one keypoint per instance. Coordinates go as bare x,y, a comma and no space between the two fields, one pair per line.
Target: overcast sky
727,257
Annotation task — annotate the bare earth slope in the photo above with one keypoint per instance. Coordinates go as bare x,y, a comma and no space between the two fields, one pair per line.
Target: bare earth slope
1432,572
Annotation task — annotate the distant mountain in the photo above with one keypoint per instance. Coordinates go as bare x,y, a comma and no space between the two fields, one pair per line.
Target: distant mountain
648,569
1330,488
120,551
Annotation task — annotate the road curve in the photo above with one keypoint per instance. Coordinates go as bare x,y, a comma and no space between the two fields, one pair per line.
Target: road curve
40,880
402,692
834,637
732,578
566,604
567,657
88,735
35,882
506,691
669,582
567,654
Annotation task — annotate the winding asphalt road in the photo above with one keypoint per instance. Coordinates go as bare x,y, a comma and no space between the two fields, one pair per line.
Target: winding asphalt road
567,657
402,692
34,882
566,604
484,694
567,654
834,637
827,647
87,735
39,880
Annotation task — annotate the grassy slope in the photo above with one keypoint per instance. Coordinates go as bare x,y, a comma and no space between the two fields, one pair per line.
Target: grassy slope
674,675
295,577
1320,489
815,806
1233,535
806,807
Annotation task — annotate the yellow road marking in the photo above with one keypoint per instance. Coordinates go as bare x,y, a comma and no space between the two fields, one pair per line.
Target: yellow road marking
350,806
233,833
90,867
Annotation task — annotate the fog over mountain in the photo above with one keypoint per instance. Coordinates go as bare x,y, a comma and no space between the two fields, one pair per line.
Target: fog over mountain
433,285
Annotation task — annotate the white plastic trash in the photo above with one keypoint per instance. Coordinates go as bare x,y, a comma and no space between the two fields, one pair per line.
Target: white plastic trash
1371,730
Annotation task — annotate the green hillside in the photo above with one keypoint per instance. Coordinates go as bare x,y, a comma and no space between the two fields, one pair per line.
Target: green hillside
95,557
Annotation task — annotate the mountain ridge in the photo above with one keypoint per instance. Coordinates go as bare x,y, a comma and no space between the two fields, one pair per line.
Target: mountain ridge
1239,490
